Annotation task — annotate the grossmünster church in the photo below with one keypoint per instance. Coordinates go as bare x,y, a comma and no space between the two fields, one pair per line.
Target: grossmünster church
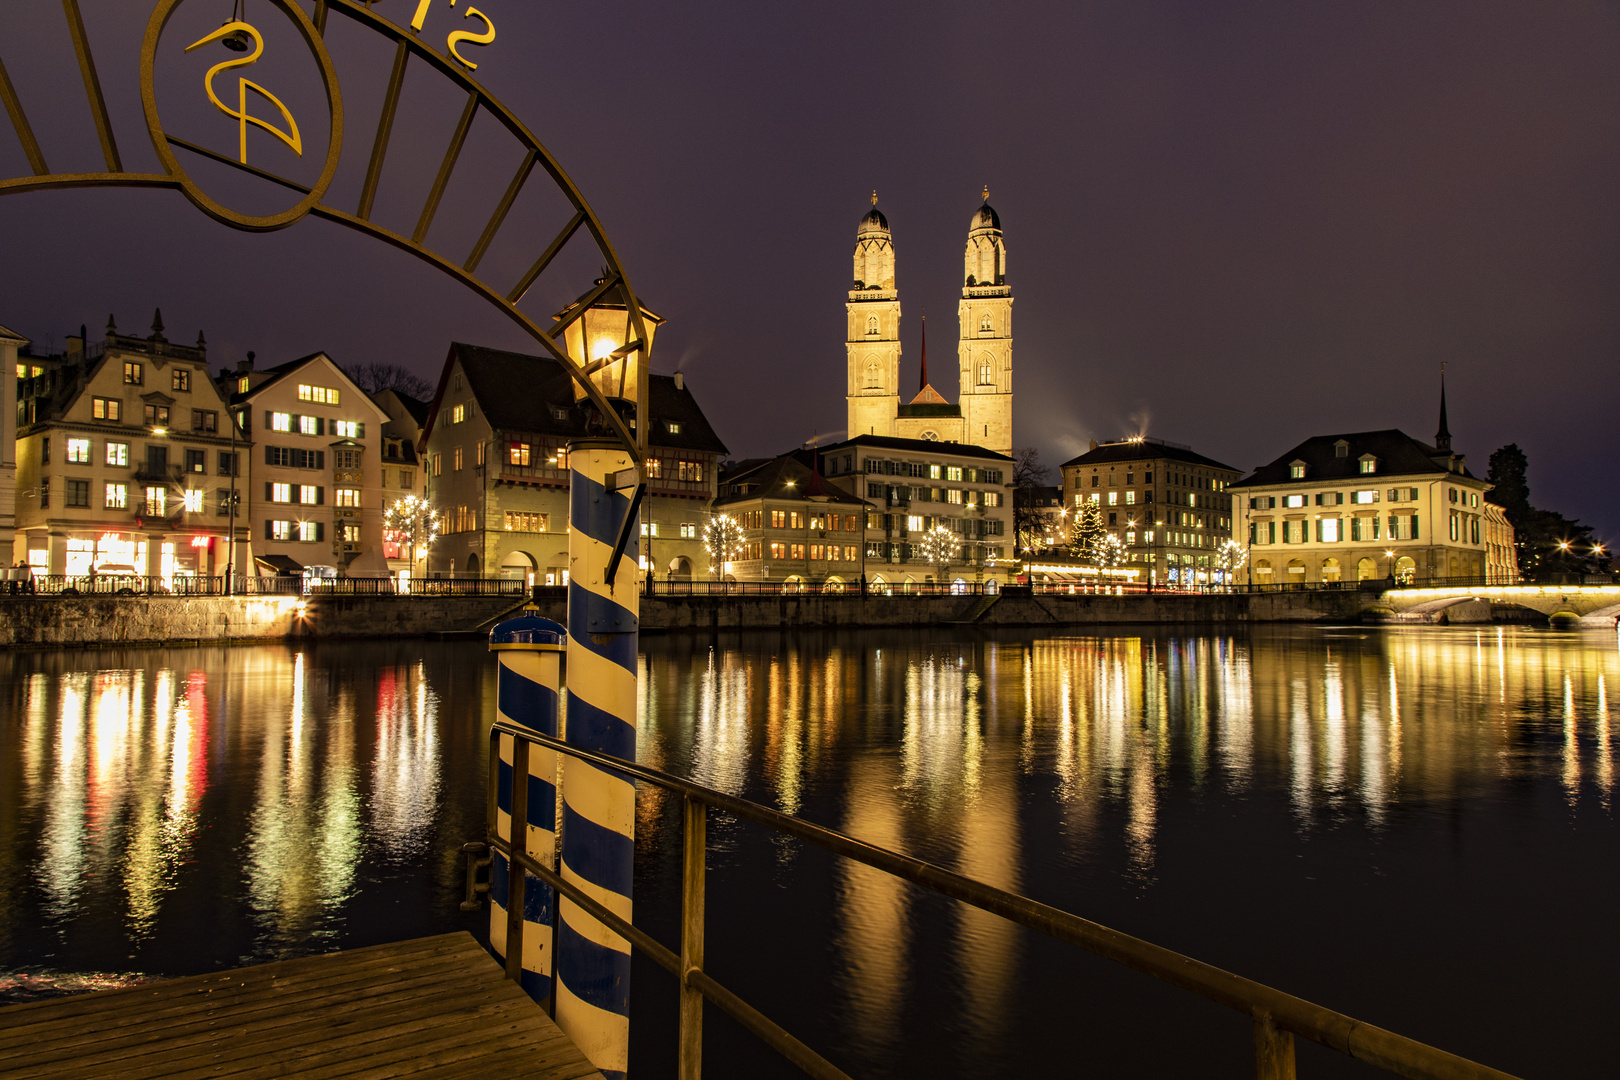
878,405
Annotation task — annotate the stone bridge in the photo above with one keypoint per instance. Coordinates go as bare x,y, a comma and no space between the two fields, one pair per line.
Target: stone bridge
1564,605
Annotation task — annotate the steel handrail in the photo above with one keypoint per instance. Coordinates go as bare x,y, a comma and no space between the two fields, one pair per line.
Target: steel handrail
1277,1015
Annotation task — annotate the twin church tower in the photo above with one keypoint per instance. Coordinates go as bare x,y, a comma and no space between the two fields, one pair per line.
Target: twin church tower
984,344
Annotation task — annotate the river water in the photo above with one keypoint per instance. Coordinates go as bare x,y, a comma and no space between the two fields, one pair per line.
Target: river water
1415,826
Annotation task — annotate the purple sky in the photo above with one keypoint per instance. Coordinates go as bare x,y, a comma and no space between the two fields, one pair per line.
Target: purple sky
1235,225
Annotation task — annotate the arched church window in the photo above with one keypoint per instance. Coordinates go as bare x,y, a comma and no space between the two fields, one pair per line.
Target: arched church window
873,382
985,378
984,324
871,325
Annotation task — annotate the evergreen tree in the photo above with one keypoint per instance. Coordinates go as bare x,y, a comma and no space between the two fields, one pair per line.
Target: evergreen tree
1546,542
1087,530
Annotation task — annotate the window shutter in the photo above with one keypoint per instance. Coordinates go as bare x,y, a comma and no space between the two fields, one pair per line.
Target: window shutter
320,425
320,530
1415,527
361,429
267,421
269,530
268,492
269,455
320,495
320,459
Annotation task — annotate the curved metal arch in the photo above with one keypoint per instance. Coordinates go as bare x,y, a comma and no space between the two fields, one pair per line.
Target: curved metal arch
616,280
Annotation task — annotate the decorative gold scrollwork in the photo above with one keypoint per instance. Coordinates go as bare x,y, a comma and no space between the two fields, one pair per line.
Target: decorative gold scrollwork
291,136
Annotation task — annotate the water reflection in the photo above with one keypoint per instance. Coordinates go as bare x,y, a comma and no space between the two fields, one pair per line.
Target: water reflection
186,810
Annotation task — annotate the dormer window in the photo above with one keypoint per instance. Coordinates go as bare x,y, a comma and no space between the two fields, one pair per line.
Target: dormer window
1369,464
1341,449
1296,470
674,427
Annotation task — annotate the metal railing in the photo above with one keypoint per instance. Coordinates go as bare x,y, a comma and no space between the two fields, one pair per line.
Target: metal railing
1277,1017
185,585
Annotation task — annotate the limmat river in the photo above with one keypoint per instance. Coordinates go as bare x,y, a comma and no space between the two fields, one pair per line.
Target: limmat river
1414,826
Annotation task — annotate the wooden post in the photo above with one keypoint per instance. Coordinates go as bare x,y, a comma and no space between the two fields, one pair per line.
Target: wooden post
692,909
1273,1050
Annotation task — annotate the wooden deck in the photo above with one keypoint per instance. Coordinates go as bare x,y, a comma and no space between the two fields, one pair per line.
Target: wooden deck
433,1007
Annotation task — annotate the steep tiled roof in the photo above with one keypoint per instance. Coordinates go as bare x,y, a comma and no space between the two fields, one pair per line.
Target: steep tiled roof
788,478
518,392
1398,454
890,442
1111,453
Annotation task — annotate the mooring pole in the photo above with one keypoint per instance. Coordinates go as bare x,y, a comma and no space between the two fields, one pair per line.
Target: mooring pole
599,807
529,651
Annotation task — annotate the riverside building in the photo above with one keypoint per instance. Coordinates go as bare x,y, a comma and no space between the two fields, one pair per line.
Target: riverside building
1365,505
1165,503
495,450
125,462
796,527
314,472
912,486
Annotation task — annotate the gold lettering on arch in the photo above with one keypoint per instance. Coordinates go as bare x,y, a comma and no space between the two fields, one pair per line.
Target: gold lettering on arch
456,37
240,114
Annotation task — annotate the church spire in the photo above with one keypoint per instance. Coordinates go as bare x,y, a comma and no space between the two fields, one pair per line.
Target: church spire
922,383
1442,438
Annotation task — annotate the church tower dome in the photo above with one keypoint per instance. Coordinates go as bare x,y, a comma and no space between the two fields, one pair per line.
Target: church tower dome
985,345
874,251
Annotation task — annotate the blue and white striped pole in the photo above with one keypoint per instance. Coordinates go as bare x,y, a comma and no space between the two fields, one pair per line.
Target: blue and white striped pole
599,808
529,652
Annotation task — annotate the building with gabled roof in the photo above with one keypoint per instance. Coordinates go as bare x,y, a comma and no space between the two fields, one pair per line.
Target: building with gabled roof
314,493
10,344
494,447
124,460
1365,505
796,526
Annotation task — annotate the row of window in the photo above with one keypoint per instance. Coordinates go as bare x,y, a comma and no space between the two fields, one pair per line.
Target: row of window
204,420
921,523
307,532
958,496
902,552
314,425
1332,530
115,496
79,452
797,552
925,470
318,395
1175,479
687,530
793,519
310,494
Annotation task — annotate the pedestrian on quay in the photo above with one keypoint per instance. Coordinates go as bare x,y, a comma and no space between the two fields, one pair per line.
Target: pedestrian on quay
14,579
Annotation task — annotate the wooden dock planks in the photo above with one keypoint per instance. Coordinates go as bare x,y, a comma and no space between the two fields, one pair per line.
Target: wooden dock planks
429,1008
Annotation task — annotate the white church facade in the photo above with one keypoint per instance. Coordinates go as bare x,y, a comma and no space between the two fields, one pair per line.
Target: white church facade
983,416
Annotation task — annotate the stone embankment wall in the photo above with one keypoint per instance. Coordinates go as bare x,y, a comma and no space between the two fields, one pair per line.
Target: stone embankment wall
700,613
55,622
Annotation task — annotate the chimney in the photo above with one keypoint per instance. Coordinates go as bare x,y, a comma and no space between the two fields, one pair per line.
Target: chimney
680,381
1093,444
75,347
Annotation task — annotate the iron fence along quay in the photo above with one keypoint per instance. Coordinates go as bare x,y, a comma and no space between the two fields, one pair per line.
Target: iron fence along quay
1276,1017
183,586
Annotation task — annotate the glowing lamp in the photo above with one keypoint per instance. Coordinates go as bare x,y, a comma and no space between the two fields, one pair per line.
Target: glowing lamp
603,340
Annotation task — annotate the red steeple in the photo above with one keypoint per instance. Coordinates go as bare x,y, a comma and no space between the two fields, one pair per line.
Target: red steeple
922,383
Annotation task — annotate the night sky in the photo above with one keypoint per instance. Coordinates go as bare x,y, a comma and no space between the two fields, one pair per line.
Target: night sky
1230,225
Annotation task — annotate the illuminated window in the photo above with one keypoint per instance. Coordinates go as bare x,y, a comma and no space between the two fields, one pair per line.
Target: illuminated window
1130,498
674,427
351,534
132,374
528,523
689,470
281,493
116,497
1364,496
778,551
688,532
655,468
242,386
1113,498
458,414
309,531
309,425
438,464
281,530
953,495
320,395
106,408
517,453
78,451
180,379
914,523
346,496
194,502
953,472
347,429
796,551
280,421
480,455
456,459
157,500
1369,464
309,495
1293,500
